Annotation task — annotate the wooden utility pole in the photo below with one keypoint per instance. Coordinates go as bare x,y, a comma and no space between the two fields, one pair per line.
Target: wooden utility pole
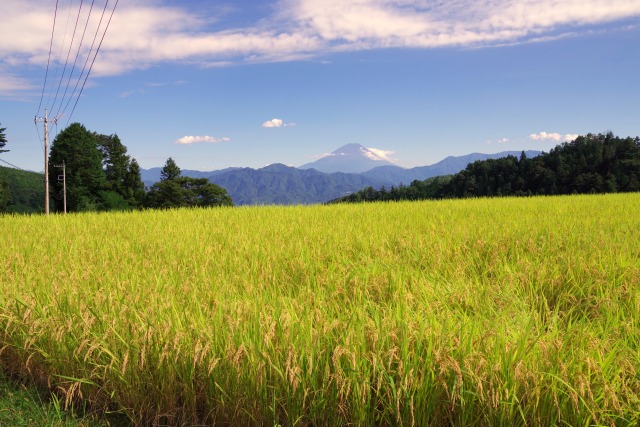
46,159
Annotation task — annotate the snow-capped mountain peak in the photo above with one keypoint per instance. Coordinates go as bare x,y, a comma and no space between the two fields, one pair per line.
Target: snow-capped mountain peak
350,158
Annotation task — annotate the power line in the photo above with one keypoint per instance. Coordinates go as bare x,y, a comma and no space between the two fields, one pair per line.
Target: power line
75,29
70,73
86,62
39,137
66,62
46,74
95,56
64,39
13,166
74,64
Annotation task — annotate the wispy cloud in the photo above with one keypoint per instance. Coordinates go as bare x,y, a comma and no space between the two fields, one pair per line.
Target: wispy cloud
552,137
189,140
162,84
131,92
318,156
382,154
147,32
12,86
276,123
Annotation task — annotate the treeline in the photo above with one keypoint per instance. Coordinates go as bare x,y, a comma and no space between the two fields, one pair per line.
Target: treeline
96,174
600,163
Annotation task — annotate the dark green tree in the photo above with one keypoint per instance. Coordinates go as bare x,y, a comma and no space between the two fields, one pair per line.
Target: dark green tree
77,148
134,191
4,195
3,139
165,195
199,192
170,170
115,161
175,191
122,173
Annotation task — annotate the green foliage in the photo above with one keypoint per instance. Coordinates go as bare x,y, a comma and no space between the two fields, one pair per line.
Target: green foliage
77,148
165,194
591,164
112,201
100,174
186,192
115,161
4,195
122,173
133,187
175,191
600,163
279,184
23,191
3,139
428,189
22,406
170,170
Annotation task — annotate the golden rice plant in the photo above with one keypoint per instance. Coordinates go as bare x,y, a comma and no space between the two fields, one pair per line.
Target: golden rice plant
515,311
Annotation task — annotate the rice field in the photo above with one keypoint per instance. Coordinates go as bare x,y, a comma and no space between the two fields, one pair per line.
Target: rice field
514,311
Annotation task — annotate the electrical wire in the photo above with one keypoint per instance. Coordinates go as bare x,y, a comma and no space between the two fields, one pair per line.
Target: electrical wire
61,114
13,166
66,61
62,45
46,74
73,89
94,57
39,137
75,29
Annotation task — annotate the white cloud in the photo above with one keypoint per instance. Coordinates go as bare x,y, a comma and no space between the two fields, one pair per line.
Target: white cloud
276,123
318,156
381,154
143,33
189,140
554,137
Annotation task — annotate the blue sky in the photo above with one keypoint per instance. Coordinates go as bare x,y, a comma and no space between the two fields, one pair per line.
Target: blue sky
215,84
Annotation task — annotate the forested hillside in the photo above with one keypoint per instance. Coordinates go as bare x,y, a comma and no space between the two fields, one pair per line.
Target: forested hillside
23,191
280,184
600,163
100,176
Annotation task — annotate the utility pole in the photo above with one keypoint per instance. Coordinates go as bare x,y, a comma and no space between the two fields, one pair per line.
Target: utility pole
46,158
64,185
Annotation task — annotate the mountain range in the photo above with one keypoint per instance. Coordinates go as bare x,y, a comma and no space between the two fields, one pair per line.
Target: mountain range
325,179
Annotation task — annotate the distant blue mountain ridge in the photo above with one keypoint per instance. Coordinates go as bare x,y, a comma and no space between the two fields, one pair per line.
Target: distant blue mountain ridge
313,183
